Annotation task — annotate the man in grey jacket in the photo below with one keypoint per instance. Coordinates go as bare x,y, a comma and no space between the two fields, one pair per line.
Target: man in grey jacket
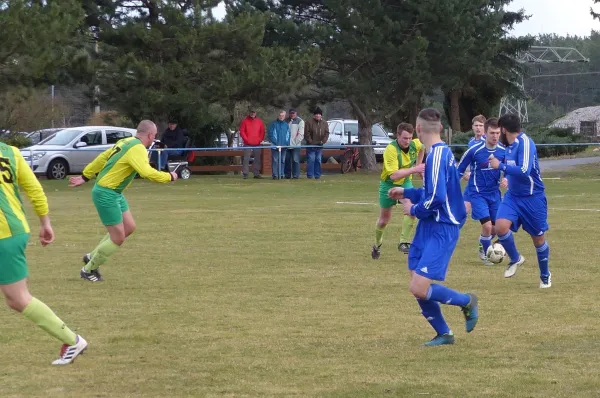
292,159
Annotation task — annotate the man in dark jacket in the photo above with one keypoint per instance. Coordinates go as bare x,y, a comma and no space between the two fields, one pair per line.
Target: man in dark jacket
173,137
316,134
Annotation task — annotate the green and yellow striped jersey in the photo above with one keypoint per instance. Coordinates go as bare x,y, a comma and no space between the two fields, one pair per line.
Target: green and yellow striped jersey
116,167
15,173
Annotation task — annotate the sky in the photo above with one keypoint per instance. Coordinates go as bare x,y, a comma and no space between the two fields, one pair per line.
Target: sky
547,16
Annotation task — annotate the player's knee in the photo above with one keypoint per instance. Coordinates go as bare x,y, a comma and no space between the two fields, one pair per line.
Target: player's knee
538,240
17,302
502,227
118,238
129,229
418,290
486,226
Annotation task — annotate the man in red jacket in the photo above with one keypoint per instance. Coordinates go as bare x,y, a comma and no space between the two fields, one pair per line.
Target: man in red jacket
252,131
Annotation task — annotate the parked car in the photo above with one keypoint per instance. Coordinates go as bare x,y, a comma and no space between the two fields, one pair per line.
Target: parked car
70,150
341,129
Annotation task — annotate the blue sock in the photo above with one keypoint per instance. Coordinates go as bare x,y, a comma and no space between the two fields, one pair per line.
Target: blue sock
485,241
432,312
543,253
508,241
445,295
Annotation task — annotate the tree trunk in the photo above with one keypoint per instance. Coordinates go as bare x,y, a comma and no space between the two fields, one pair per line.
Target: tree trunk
455,109
365,137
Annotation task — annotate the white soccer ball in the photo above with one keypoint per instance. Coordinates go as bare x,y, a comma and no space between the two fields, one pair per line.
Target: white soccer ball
496,253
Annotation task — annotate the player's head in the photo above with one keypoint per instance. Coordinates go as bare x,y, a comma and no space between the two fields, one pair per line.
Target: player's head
404,134
492,131
429,125
510,127
477,124
146,132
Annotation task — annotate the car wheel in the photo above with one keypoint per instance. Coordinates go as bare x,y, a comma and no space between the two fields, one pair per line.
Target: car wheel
57,169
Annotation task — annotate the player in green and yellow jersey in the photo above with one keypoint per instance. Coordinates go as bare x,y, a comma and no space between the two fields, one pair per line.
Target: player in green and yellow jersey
402,158
114,170
14,234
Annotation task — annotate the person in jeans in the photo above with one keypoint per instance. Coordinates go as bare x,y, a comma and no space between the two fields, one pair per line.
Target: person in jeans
292,158
316,134
252,131
279,135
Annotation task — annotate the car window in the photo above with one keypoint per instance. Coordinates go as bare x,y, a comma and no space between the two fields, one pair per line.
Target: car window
335,128
378,131
352,128
92,138
113,136
62,137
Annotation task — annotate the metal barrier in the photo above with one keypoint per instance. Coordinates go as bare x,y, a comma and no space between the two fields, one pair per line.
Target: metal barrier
279,148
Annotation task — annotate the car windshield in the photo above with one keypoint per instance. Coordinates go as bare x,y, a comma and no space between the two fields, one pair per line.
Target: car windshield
378,131
63,137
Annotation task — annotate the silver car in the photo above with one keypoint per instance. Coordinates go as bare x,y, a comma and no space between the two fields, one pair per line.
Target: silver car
71,149
339,129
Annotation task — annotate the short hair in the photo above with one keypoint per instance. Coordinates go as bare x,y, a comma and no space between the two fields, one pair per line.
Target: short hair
491,122
478,118
405,127
510,122
145,127
429,120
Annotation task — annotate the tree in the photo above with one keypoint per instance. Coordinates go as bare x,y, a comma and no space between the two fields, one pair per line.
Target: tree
39,40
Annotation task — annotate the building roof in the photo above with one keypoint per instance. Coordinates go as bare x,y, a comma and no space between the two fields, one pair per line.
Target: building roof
590,113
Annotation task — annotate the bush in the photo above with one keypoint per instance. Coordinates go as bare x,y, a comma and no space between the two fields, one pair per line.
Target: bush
17,140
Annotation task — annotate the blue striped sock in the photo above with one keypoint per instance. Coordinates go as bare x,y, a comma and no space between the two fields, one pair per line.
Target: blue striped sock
543,254
433,313
445,295
508,242
485,241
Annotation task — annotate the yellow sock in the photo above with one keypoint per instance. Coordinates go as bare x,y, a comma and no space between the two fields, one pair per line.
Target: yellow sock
379,235
40,314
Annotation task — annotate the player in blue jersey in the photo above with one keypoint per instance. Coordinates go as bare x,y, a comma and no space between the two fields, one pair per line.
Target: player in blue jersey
525,202
441,213
477,124
484,183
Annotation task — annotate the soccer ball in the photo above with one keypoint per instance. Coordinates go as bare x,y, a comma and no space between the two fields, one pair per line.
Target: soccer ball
495,253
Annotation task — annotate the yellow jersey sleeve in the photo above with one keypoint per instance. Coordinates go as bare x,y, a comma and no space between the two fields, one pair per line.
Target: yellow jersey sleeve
418,144
30,184
91,170
390,162
137,157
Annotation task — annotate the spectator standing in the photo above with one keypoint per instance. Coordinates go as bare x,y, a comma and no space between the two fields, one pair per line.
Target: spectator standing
316,134
252,131
292,159
279,135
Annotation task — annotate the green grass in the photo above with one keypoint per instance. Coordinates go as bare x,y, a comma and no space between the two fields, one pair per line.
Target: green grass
267,288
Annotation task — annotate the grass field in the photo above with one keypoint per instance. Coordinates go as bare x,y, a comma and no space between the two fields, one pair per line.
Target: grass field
267,288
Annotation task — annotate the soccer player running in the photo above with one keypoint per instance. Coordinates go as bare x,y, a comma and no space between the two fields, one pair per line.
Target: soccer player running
484,184
441,213
402,158
114,170
14,234
477,125
525,201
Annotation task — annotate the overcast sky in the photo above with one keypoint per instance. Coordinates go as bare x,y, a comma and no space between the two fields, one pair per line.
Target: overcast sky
547,16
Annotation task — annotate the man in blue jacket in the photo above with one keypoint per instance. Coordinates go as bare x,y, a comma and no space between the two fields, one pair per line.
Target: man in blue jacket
279,135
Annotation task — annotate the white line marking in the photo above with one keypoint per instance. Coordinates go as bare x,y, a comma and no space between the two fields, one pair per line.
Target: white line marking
355,203
552,178
555,208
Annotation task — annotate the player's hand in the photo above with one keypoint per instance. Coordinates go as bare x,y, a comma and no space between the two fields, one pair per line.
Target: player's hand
174,175
76,181
46,234
396,193
504,183
466,176
494,163
419,169
407,205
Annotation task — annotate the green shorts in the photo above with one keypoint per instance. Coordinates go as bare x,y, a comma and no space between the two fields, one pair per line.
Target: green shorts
110,205
13,266
385,202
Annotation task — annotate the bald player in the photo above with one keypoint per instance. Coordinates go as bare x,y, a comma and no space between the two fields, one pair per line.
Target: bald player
114,170
15,173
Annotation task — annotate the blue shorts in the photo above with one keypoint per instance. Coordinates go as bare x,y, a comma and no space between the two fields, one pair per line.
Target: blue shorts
485,205
432,248
467,194
529,211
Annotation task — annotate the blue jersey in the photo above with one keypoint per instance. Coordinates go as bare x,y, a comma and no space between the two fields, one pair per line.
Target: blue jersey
522,168
441,198
484,179
473,141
